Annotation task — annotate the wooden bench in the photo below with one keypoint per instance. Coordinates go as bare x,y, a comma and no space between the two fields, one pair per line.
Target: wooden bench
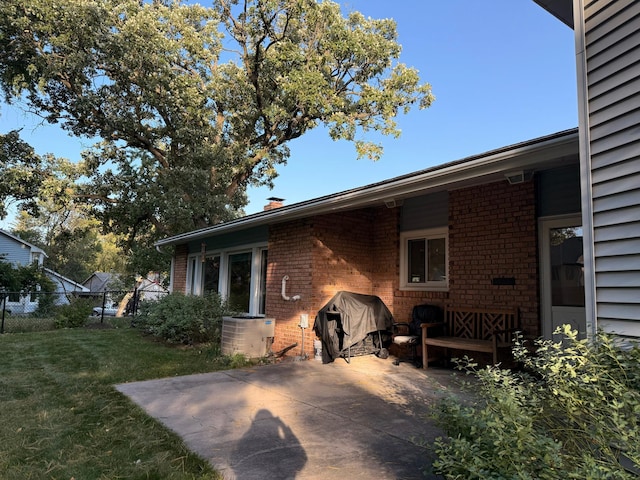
470,329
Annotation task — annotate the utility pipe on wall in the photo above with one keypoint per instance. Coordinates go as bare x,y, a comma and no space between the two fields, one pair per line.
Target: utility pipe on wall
295,298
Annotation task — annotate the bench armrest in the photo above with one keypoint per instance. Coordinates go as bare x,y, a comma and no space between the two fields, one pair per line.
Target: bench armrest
427,326
432,324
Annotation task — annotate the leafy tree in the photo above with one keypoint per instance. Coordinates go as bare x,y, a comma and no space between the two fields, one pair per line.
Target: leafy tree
194,104
24,278
9,280
109,257
21,173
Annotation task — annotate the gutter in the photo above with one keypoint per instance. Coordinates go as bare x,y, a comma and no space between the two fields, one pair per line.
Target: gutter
527,154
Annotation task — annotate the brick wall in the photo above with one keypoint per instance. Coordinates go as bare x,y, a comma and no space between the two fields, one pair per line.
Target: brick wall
290,254
353,251
385,253
493,233
180,268
343,251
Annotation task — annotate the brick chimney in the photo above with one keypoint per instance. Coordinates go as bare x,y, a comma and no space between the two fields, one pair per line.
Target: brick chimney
274,202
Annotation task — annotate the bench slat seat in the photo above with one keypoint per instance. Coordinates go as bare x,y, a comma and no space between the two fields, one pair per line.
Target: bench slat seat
462,344
475,330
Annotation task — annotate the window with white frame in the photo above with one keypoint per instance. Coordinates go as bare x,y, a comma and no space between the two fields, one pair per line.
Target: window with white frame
192,275
239,281
211,274
239,276
424,260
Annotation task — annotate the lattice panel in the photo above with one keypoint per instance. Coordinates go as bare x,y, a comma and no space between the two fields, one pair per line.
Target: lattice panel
480,324
489,323
462,324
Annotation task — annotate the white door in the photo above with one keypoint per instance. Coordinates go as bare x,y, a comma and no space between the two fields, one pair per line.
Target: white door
562,275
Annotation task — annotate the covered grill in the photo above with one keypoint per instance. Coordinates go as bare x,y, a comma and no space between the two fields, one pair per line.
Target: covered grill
347,320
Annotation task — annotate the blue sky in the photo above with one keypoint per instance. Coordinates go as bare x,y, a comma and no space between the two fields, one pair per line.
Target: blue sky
502,71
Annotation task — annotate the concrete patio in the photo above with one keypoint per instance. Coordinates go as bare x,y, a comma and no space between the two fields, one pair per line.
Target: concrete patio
304,420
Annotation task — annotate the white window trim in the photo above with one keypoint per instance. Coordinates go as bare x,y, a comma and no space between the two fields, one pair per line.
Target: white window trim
194,272
427,234
256,270
223,283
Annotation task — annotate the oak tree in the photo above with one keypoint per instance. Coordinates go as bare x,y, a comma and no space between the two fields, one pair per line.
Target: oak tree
21,171
193,104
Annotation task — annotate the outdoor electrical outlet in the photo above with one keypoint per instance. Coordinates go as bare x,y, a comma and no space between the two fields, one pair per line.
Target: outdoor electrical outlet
304,320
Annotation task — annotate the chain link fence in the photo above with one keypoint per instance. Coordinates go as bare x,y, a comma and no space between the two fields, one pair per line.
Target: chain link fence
41,311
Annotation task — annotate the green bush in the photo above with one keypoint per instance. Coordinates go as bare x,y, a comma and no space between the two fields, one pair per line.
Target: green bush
74,314
571,411
46,305
183,319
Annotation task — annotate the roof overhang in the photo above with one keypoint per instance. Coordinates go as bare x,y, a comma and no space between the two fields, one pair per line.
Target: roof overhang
77,287
538,154
561,9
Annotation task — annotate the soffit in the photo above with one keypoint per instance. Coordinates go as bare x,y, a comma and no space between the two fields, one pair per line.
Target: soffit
561,9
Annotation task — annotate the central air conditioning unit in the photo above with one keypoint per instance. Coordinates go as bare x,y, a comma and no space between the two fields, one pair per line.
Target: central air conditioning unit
251,336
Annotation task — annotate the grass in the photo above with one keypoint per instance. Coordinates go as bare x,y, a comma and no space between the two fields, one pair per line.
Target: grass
61,417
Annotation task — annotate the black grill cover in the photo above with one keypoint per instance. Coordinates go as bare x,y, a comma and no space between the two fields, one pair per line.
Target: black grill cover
347,319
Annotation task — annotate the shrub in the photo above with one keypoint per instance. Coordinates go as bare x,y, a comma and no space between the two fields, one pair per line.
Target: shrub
183,319
74,314
572,411
46,305
236,360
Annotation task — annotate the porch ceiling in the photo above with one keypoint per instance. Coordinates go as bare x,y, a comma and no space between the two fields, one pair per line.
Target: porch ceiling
538,154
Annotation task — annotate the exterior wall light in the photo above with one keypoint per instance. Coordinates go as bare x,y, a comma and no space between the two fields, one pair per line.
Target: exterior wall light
519,176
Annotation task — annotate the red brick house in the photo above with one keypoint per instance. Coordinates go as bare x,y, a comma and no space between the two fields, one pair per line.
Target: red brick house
561,241
500,229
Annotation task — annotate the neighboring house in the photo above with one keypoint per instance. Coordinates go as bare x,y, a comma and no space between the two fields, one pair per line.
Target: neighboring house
21,253
63,284
550,226
150,287
99,282
100,287
108,288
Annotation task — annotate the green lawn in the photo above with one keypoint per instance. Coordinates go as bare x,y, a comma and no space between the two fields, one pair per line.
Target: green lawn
61,417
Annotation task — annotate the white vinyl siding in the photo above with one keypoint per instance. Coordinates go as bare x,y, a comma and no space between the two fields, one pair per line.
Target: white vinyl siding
14,252
612,57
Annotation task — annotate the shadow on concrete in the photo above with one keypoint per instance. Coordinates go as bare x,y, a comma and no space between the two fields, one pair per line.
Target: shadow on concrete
305,420
269,449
